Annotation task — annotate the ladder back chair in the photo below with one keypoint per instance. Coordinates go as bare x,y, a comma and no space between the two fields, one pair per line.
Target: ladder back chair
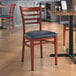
32,15
66,28
9,18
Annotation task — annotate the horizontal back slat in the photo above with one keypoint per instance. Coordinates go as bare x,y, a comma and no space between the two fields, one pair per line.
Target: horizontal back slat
30,9
31,18
31,14
31,22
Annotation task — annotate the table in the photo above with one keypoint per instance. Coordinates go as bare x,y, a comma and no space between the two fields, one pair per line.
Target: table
70,53
3,6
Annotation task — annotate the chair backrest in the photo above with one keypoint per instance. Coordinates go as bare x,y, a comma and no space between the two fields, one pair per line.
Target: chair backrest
31,15
12,7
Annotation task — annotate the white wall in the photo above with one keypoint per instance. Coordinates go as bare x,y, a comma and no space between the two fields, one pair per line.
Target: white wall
26,3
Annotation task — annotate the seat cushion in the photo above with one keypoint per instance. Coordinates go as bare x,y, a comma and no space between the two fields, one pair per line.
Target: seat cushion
67,24
39,34
3,16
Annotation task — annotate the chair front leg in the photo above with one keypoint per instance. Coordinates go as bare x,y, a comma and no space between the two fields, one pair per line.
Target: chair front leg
56,49
32,55
41,50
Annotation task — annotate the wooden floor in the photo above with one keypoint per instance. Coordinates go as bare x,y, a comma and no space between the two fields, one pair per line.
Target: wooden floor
10,55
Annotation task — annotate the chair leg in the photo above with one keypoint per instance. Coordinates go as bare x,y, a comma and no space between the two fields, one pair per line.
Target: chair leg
2,22
56,48
9,24
23,49
32,55
75,36
41,49
12,24
64,35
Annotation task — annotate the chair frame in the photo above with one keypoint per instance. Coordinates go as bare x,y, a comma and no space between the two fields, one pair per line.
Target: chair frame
66,28
10,18
41,40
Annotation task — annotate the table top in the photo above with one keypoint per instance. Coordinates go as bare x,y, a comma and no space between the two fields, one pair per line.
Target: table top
69,12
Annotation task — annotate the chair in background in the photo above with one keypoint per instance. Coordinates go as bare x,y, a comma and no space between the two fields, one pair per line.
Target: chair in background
32,15
9,18
66,28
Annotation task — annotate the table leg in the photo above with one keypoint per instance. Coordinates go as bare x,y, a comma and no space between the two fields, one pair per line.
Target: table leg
71,36
71,54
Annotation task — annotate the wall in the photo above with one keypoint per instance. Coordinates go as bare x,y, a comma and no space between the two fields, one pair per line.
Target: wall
17,15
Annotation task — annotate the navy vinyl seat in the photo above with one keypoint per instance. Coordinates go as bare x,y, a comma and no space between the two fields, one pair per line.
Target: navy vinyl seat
3,16
39,34
67,24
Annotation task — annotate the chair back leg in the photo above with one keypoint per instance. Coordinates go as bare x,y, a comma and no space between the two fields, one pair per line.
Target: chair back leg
12,23
56,49
75,36
9,24
41,50
2,22
64,35
23,49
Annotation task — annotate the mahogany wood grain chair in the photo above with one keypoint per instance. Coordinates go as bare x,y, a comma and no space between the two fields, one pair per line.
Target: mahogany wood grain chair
10,17
32,15
66,28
